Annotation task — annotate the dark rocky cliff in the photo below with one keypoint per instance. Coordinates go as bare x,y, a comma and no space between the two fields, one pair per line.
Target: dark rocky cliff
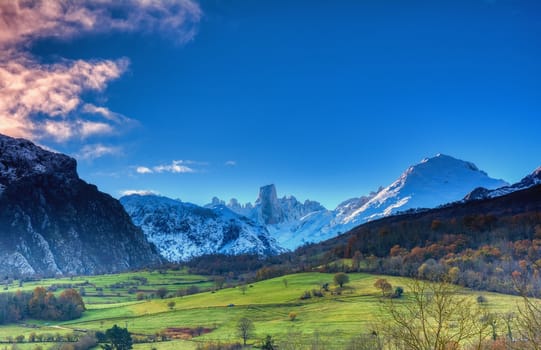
52,222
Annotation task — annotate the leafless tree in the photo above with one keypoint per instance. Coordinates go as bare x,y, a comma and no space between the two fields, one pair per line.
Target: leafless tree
245,328
433,316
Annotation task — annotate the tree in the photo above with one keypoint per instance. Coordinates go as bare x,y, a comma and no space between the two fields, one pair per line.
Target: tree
268,343
171,305
71,304
245,328
528,320
383,285
219,282
422,322
356,261
119,339
161,292
292,315
341,278
243,288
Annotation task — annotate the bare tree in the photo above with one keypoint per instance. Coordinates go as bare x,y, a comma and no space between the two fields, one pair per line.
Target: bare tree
435,316
528,321
245,329
383,285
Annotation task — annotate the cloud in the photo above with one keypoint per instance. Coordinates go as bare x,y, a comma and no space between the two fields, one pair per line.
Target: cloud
40,100
139,192
90,152
175,167
231,163
143,170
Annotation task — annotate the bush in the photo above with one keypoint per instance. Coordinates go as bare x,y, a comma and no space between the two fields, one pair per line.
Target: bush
317,293
161,292
306,295
398,292
481,299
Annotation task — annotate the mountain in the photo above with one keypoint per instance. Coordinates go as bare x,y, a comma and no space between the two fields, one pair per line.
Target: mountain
182,231
483,193
54,223
432,182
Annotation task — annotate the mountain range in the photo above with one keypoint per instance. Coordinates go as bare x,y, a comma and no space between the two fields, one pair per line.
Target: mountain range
182,231
54,223
432,182
271,224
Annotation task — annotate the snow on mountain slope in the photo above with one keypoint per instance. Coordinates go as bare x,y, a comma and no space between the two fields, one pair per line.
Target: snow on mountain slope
482,193
182,231
434,181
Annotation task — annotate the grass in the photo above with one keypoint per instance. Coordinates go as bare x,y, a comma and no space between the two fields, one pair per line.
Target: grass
267,303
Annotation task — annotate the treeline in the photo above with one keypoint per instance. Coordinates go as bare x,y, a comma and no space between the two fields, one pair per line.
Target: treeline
40,304
219,264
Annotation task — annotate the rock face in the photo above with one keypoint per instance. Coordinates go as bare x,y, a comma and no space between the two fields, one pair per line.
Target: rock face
182,231
54,223
269,208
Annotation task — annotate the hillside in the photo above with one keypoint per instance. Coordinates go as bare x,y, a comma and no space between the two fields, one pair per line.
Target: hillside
182,231
485,240
54,223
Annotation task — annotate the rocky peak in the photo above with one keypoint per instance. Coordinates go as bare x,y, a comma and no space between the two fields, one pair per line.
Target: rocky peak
21,158
54,223
271,211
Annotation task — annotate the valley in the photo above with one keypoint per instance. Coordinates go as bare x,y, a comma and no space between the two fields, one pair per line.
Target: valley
332,319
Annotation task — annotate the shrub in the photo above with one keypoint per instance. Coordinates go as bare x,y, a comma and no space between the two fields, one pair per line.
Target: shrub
317,293
306,295
292,316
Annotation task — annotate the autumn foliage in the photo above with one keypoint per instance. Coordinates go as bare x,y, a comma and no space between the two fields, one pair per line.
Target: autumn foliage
40,304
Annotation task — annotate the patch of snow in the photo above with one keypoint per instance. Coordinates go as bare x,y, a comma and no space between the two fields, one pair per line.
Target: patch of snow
182,231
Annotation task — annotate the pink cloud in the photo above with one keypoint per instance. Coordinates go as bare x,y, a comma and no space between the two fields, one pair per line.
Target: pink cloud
44,100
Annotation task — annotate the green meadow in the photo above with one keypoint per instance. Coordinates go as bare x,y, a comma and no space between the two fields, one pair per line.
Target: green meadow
215,313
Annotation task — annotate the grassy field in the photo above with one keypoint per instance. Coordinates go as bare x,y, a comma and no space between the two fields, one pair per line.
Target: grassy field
267,303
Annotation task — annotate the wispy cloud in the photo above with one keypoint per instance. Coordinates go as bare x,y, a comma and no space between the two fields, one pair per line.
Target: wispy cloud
231,163
176,167
45,100
94,151
139,192
143,170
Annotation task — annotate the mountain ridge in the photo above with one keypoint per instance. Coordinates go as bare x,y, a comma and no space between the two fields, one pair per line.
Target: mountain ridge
432,182
54,223
182,231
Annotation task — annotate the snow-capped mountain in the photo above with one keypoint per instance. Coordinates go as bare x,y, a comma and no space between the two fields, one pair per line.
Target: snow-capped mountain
482,193
182,231
432,182
54,223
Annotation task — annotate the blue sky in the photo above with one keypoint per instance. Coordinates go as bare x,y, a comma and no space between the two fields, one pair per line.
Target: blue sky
327,100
